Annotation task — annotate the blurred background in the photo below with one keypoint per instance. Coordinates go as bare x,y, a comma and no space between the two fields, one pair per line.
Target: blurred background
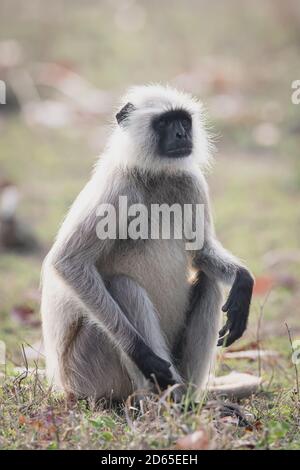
65,65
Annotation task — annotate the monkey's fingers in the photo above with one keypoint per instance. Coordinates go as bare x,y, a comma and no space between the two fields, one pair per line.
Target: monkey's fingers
158,371
224,330
236,331
162,376
162,380
228,303
156,362
229,339
222,341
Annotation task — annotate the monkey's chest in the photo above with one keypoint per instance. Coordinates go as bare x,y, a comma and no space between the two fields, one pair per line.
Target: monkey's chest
161,267
154,253
166,280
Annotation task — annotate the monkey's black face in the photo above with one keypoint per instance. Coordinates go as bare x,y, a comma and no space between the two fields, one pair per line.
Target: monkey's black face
174,132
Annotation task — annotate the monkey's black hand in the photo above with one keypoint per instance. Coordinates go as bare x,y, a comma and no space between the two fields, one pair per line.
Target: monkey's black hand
158,371
237,308
152,366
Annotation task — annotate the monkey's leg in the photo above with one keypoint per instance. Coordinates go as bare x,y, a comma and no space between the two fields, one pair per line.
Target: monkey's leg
139,310
198,344
91,365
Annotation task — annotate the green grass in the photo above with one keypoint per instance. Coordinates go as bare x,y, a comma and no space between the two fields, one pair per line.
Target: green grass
34,417
255,193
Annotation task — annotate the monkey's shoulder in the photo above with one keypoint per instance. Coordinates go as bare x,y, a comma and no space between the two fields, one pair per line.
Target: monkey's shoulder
163,187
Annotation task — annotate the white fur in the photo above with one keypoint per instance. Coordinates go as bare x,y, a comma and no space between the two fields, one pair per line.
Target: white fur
133,146
128,147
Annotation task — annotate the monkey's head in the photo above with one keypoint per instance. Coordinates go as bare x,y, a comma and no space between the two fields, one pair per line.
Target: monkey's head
160,126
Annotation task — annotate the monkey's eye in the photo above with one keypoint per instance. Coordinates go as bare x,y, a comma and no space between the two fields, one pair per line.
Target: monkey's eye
162,123
186,123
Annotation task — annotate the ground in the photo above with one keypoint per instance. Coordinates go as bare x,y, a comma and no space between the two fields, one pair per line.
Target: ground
241,62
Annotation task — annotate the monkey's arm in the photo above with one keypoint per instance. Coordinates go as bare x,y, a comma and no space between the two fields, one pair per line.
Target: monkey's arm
216,262
75,262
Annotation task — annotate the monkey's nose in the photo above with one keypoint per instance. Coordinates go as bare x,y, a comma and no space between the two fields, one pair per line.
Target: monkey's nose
180,135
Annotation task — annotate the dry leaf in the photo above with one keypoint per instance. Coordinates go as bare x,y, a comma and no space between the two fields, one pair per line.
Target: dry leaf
251,355
198,440
25,315
251,345
22,313
22,420
230,420
263,284
235,385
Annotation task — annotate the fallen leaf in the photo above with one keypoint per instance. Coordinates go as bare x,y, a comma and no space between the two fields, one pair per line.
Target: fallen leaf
25,315
22,420
230,420
263,284
22,313
46,424
251,355
244,443
251,345
235,385
198,440
258,425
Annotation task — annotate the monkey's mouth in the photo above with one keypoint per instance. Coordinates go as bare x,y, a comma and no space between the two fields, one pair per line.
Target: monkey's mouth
179,152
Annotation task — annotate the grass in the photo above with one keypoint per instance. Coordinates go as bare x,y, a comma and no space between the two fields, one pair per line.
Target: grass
34,417
255,192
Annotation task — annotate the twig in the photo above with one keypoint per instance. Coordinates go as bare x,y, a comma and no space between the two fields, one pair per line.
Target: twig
23,374
262,306
295,367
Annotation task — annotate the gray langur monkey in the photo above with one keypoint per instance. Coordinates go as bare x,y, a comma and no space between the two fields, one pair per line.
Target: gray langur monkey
123,314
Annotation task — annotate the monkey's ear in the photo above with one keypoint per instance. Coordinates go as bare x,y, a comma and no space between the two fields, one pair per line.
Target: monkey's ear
122,115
